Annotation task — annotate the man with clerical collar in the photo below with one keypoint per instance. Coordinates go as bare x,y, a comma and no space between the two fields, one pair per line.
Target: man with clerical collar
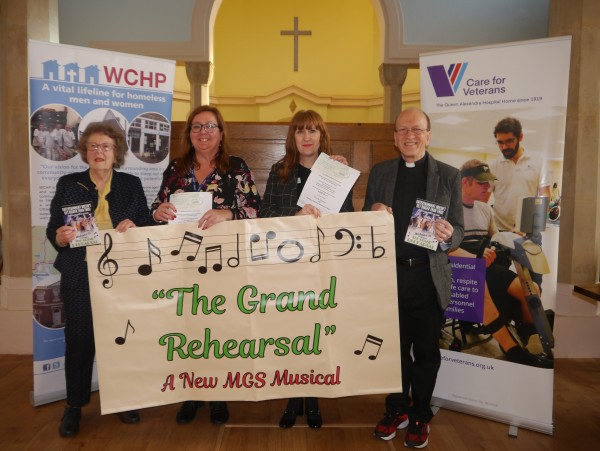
423,275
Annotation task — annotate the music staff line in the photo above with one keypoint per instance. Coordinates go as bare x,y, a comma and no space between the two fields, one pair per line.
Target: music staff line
332,243
263,248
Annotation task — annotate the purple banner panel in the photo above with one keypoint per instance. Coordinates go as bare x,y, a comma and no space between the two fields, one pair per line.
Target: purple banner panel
468,289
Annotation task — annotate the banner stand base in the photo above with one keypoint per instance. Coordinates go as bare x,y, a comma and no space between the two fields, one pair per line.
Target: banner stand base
513,421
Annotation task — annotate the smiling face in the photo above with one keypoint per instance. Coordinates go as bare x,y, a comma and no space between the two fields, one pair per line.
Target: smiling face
206,142
100,152
308,141
412,135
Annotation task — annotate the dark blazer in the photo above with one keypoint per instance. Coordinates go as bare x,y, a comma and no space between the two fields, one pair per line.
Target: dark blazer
281,199
443,187
126,200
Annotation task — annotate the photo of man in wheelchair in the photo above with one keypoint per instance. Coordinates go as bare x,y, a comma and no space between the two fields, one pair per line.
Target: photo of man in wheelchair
513,316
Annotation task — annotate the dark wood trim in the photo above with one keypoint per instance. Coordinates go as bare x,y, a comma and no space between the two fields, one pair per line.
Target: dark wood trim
591,291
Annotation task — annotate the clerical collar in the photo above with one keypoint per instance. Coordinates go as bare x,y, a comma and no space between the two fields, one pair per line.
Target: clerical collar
416,163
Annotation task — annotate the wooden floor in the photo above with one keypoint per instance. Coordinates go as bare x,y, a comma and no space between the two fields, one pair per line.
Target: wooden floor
253,426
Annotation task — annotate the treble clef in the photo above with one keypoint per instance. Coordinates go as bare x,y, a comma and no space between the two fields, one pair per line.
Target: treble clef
106,263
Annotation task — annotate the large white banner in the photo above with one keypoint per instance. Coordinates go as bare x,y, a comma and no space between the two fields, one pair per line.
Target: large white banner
466,93
69,87
246,310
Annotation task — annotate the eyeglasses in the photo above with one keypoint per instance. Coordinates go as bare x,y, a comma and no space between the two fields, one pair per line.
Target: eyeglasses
414,131
506,142
104,147
209,127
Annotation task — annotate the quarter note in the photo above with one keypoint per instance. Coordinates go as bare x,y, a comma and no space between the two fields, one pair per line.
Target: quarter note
372,340
111,266
121,340
145,270
192,237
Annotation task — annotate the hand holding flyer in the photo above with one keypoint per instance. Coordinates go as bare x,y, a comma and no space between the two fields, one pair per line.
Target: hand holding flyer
81,217
420,231
328,185
190,206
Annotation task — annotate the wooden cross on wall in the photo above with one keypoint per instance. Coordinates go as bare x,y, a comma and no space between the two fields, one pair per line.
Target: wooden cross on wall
295,32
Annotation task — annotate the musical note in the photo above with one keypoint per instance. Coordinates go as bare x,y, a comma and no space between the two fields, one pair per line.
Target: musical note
106,262
145,270
318,255
235,259
375,248
287,259
340,234
192,237
373,340
255,239
121,340
217,266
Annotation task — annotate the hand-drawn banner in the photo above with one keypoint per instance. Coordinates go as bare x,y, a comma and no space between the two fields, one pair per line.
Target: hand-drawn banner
246,310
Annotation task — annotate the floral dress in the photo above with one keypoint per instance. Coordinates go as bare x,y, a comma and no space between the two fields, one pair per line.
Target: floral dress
234,190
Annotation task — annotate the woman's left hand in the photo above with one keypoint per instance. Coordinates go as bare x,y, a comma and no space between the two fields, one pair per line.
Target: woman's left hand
124,225
212,217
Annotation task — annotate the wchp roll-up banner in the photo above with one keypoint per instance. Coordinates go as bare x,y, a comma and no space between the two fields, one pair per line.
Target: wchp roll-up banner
246,310
70,87
505,370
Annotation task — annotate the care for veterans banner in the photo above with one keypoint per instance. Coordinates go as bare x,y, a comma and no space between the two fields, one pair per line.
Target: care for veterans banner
246,310
69,87
466,93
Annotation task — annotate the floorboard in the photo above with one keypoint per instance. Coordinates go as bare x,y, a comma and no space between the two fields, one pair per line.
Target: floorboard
348,422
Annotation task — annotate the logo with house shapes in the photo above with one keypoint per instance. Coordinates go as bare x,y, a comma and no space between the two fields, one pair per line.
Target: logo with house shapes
70,72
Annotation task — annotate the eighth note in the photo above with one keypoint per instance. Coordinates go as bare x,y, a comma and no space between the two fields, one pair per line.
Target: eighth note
121,340
373,340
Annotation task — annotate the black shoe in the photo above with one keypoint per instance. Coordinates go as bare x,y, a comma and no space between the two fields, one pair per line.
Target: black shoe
129,417
313,414
294,407
69,424
218,412
187,411
517,354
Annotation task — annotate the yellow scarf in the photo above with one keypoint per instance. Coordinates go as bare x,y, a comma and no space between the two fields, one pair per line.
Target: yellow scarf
102,215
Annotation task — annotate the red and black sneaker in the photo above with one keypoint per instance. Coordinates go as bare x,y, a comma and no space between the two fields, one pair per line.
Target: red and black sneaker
417,435
387,426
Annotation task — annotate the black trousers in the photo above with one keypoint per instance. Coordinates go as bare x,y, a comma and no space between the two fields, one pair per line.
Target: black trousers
421,319
79,336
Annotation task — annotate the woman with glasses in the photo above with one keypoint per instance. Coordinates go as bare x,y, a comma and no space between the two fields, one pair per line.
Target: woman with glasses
307,137
208,167
118,202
